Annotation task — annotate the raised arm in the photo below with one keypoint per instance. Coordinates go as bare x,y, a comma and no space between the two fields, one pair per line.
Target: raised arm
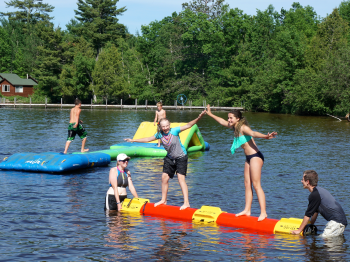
131,185
141,140
218,119
190,124
245,130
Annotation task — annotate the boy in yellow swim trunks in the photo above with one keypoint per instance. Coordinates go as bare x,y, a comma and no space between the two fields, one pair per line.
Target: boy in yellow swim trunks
75,127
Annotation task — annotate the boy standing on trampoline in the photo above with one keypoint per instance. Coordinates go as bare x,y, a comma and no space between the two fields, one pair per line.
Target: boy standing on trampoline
75,127
160,113
176,158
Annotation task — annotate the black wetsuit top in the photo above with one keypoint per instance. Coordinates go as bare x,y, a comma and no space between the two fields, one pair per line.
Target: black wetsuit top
122,179
321,201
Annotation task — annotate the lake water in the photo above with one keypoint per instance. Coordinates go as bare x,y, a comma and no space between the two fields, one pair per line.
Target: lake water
47,217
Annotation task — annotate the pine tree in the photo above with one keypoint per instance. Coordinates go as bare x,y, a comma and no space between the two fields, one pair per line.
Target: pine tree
31,11
203,6
49,61
108,74
100,22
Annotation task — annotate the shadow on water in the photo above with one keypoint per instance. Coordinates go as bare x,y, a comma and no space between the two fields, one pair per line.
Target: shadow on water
61,217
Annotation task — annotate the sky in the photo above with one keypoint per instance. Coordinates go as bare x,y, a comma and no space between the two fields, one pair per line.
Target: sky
142,12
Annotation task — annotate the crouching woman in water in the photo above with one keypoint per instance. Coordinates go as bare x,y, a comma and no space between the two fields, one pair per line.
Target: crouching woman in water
176,158
243,137
119,179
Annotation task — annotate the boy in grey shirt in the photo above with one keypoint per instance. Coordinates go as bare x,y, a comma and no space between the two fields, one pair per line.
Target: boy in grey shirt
321,201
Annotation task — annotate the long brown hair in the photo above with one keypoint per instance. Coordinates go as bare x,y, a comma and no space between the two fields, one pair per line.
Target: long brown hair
159,130
242,121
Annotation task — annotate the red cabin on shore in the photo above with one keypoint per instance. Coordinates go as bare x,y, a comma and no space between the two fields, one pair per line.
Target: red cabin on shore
13,85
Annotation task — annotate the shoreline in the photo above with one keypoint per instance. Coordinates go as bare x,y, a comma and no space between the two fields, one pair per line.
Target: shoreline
91,106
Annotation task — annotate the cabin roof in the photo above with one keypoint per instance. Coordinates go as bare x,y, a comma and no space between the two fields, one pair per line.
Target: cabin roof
15,80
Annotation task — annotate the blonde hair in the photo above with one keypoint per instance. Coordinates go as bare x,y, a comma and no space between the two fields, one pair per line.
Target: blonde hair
242,121
159,130
159,104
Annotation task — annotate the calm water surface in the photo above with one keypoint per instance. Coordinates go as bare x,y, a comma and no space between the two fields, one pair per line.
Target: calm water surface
46,217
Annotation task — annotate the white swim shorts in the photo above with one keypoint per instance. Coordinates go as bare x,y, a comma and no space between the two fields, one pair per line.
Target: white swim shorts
333,229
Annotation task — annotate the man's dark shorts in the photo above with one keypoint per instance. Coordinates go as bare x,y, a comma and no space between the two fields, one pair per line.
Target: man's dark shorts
72,132
178,165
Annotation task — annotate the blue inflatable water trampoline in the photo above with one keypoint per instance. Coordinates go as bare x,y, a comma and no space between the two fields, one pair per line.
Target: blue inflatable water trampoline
54,162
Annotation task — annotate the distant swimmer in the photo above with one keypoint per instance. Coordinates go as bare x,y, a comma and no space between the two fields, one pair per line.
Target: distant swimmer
75,127
322,202
176,159
243,137
119,180
160,113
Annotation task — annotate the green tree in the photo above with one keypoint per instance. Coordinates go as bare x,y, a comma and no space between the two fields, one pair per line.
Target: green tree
31,11
312,93
108,74
49,61
5,51
344,10
76,77
203,6
99,22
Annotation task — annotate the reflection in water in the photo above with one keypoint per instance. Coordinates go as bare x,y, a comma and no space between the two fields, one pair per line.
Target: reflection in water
175,245
326,249
120,236
252,244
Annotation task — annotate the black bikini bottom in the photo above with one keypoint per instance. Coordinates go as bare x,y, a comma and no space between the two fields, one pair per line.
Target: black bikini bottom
258,154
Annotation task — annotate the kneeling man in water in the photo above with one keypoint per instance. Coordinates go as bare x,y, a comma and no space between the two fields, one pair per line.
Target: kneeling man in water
119,179
321,201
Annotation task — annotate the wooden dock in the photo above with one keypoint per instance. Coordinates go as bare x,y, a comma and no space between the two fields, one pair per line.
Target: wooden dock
93,106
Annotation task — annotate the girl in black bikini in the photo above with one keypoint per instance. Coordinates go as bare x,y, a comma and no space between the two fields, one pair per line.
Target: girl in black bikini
254,158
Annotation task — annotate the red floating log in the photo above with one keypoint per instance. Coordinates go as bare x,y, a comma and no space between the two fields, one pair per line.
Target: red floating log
247,222
172,212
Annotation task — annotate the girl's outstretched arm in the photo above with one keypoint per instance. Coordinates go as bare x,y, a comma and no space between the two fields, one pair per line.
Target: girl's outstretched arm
245,130
190,124
218,119
141,140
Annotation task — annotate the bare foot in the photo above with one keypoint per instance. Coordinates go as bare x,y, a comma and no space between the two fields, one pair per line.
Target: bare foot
161,202
84,150
184,206
243,213
262,217
158,145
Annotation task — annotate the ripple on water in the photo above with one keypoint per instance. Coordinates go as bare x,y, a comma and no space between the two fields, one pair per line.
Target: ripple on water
61,217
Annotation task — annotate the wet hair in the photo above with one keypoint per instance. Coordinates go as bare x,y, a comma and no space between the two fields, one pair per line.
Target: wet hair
159,104
77,101
312,176
159,130
242,121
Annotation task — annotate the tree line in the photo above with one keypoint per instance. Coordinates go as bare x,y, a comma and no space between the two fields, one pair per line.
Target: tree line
291,61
